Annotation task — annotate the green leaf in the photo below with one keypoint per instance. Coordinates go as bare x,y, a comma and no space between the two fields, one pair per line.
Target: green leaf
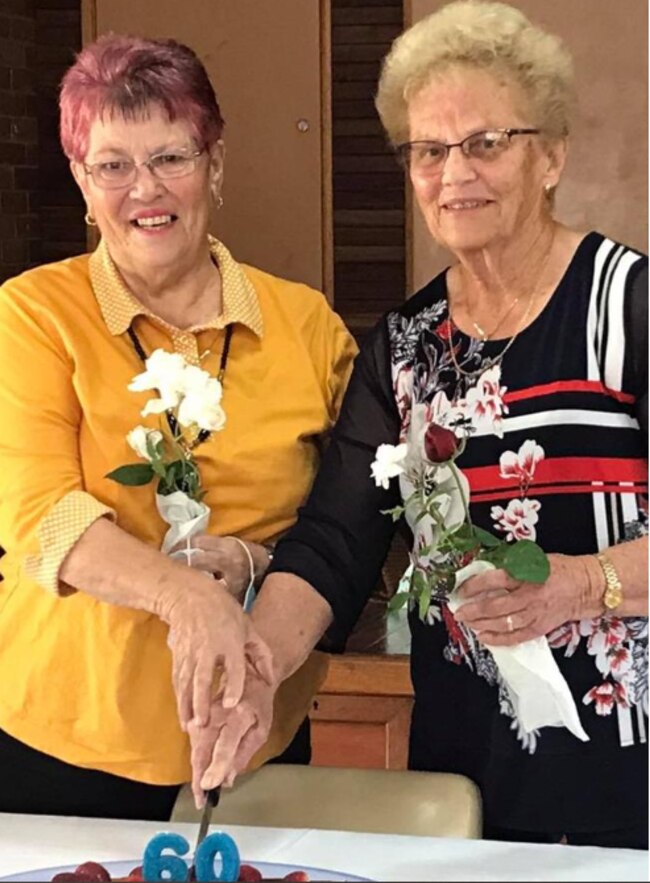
526,561
496,555
418,582
462,545
486,538
424,601
133,475
464,531
398,601
395,513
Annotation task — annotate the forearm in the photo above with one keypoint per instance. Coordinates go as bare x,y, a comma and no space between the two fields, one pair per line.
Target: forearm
114,566
631,562
291,617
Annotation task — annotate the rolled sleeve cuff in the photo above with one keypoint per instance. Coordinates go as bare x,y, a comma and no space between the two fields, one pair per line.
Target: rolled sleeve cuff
58,532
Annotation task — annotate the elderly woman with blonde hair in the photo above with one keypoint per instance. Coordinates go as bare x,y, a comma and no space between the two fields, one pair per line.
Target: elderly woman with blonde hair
532,346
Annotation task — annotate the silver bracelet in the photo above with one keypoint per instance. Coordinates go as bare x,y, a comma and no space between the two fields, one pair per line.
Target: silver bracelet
251,564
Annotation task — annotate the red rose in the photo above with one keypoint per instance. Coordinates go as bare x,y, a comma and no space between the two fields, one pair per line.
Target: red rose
440,444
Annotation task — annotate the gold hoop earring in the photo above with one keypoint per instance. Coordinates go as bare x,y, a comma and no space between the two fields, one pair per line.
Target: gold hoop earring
219,201
88,218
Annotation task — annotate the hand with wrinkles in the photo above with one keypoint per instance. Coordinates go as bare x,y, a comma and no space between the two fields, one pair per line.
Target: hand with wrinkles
222,749
207,630
225,559
503,611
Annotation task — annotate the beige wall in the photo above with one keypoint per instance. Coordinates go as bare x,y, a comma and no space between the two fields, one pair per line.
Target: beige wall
263,59
605,185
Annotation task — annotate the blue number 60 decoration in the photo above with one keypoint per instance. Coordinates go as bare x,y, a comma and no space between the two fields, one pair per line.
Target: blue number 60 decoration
160,866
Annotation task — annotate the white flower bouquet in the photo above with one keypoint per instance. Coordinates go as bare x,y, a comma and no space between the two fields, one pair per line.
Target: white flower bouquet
190,399
435,495
448,548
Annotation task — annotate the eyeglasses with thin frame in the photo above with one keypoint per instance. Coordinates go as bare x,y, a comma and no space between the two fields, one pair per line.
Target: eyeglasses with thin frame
485,146
115,173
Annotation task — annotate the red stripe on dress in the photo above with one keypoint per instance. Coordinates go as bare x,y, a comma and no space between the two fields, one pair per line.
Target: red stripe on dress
609,470
532,392
534,492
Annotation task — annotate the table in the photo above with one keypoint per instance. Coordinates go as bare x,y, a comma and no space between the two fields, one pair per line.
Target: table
28,842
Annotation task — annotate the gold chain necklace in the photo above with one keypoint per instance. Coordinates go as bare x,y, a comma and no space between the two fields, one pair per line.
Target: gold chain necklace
491,362
482,334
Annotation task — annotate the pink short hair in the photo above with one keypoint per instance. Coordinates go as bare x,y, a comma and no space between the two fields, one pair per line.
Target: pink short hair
126,76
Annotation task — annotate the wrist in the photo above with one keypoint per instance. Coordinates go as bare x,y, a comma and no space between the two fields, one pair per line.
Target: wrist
261,560
593,588
182,586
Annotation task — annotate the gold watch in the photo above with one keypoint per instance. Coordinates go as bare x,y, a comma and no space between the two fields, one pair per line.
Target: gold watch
613,594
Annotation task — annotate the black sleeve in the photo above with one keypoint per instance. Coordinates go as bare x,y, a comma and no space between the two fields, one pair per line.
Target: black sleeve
636,332
341,538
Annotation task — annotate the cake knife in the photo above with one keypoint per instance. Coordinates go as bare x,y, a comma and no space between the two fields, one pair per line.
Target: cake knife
211,801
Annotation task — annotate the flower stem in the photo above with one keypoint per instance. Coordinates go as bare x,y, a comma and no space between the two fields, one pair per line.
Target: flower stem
454,472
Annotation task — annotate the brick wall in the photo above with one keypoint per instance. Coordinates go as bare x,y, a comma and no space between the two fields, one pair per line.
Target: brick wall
41,215
18,138
61,208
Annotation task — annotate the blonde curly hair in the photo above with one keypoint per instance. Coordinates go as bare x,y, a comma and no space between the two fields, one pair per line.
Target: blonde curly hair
491,36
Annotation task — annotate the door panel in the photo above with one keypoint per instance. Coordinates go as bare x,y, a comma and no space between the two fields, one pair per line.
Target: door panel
264,62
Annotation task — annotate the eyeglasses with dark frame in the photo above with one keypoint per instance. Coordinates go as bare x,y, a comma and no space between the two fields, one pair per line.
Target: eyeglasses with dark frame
430,156
115,173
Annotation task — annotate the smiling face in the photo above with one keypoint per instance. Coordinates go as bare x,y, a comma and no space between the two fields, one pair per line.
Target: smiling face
151,225
471,204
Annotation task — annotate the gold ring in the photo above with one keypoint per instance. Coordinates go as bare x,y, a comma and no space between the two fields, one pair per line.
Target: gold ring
510,623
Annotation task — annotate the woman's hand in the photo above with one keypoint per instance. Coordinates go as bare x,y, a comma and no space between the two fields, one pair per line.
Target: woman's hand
226,560
208,631
222,749
503,611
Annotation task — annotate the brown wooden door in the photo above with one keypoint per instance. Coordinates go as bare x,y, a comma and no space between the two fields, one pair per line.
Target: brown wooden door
264,62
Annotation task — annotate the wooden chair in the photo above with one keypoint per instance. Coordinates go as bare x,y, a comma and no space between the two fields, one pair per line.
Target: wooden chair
373,801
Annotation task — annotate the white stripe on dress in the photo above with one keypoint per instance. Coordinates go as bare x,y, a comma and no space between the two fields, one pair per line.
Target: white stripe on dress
625,729
593,370
630,507
614,346
640,719
604,300
562,417
603,540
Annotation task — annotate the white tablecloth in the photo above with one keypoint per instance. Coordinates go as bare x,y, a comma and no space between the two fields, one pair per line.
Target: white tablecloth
29,842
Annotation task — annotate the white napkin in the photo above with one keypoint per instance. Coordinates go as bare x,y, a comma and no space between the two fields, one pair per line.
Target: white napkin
185,518
540,695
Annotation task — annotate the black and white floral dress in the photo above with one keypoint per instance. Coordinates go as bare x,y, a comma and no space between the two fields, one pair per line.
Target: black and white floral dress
558,454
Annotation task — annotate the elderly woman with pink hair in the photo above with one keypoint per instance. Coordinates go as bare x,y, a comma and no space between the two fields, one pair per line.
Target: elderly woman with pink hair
112,650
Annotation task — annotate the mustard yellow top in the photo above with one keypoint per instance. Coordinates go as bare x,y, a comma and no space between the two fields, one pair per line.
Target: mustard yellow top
90,682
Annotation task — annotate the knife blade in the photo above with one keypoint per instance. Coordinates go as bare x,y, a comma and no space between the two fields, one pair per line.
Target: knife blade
211,801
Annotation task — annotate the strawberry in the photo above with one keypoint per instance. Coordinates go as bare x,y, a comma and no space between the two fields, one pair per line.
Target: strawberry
93,872
297,877
135,875
66,877
249,874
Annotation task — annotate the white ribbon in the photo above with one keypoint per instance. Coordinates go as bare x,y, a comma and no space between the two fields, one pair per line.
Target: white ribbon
186,518
540,695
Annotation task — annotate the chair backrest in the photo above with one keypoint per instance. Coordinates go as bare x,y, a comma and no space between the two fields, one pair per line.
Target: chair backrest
373,801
